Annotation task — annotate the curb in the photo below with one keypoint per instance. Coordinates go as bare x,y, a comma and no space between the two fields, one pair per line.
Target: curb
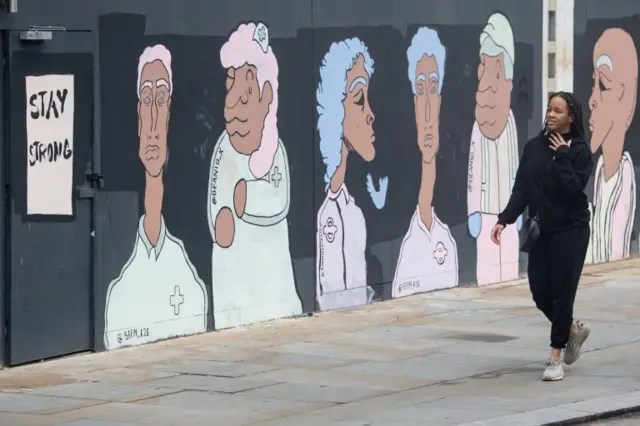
575,413
597,416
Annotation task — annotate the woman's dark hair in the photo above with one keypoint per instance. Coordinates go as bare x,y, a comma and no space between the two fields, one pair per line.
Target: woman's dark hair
575,110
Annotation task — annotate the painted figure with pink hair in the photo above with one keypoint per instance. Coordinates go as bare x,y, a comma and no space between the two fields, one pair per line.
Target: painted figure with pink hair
248,195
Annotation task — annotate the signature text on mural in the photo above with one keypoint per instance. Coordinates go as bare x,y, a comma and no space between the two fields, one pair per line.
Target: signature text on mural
214,176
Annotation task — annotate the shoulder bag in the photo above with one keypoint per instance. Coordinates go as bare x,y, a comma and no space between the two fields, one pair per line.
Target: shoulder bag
531,233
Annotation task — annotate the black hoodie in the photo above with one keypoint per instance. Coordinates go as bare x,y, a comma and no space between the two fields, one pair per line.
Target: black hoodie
551,183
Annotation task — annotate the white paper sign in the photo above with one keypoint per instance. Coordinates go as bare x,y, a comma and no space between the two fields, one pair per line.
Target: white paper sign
50,107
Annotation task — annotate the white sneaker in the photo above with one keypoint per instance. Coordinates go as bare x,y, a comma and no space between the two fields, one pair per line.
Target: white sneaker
576,340
554,371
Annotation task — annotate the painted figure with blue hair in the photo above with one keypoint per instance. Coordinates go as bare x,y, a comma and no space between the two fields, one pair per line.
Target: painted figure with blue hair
345,126
428,257
493,154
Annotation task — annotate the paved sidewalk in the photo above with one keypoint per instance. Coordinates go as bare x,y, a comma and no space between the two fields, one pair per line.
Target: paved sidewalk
463,356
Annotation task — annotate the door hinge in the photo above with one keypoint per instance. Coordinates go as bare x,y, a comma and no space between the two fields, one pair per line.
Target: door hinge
96,180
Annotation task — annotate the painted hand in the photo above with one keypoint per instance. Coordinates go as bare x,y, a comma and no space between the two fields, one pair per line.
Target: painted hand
240,197
379,198
556,141
474,223
225,228
495,233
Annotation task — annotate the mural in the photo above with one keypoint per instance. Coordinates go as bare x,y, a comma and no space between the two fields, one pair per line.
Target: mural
248,198
345,125
493,156
158,293
428,256
612,105
294,181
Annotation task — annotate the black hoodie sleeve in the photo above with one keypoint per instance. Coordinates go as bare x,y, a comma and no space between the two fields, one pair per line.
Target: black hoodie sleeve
573,167
518,200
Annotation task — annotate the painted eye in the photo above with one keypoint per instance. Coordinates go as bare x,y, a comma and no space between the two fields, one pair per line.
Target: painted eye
433,89
147,100
161,100
420,90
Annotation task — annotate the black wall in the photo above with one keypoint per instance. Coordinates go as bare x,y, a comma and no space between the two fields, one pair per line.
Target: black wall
301,32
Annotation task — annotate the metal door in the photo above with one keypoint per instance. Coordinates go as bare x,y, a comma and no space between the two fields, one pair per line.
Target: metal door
49,251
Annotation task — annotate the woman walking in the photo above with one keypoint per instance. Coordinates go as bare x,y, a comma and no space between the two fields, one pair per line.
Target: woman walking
551,177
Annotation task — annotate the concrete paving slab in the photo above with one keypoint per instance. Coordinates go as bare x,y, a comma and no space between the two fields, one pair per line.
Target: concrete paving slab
214,368
102,391
123,375
539,417
16,419
314,392
39,404
85,422
209,383
235,407
155,415
305,361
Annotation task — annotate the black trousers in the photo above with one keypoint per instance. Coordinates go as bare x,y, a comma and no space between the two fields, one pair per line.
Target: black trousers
555,265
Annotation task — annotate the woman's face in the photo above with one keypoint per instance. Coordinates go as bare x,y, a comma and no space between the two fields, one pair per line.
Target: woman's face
358,117
558,117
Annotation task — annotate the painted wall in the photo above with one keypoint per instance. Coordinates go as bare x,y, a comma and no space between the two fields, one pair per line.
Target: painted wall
267,173
606,80
273,159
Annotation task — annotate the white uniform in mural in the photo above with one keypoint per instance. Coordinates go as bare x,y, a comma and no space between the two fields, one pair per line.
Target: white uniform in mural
157,295
253,278
428,258
612,217
341,265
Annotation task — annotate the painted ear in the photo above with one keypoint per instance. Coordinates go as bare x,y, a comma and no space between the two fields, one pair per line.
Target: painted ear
510,84
634,101
267,93
168,110
139,120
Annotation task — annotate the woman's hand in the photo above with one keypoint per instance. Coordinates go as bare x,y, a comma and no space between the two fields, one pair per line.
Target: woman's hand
495,233
556,141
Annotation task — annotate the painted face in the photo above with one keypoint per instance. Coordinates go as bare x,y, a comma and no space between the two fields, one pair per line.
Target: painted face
615,80
427,107
245,109
559,118
153,116
493,98
358,117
